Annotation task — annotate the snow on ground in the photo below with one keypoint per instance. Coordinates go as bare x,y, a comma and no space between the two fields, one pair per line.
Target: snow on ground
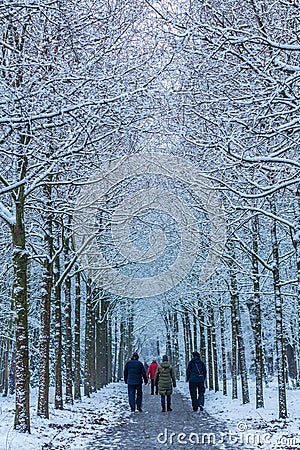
75,426
248,425
69,429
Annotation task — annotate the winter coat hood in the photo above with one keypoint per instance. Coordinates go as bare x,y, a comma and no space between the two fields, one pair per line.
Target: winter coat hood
196,359
165,364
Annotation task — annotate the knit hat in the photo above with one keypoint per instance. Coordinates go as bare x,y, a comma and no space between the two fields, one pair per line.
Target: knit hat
135,355
165,358
196,354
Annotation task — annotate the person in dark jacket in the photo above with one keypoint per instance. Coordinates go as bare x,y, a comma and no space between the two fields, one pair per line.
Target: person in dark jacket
165,376
134,374
151,374
196,376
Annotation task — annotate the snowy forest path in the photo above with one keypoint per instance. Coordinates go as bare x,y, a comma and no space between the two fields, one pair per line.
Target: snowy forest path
153,429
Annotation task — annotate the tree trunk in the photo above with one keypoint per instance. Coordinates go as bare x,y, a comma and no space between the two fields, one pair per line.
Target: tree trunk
6,352
68,325
256,317
195,329
2,353
20,262
87,343
58,335
115,350
130,328
233,349
185,339
214,351
242,356
168,336
109,354
121,350
237,319
176,345
12,372
5,381
210,359
77,391
93,339
280,341
296,243
189,334
98,344
44,356
223,349
102,342
202,349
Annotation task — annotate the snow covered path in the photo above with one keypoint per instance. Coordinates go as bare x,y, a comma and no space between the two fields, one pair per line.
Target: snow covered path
104,421
152,429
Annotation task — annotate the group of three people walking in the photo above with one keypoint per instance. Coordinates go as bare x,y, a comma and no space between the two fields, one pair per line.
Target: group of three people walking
163,379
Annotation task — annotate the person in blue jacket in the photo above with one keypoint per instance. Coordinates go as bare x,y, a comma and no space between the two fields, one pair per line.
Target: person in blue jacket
134,375
196,376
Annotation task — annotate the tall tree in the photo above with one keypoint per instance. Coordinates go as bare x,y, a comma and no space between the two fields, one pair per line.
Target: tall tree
280,337
68,317
77,359
47,282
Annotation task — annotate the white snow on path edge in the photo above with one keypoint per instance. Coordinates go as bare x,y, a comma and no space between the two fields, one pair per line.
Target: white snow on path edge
76,426
69,429
251,427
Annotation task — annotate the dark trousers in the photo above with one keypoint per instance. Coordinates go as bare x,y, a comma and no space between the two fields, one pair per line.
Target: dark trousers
163,400
135,396
197,390
152,388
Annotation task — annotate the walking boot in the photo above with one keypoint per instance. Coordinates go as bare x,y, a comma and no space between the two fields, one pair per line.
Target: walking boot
163,408
169,408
